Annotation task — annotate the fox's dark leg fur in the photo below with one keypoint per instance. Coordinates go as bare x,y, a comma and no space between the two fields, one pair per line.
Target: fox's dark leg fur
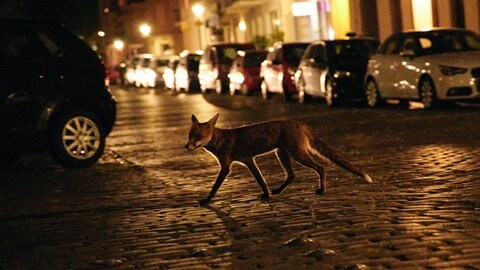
304,158
252,166
286,162
222,174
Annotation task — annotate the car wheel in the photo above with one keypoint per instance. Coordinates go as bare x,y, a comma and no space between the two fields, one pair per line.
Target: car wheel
264,88
218,86
244,89
231,89
77,139
428,94
372,94
286,94
8,159
331,98
302,96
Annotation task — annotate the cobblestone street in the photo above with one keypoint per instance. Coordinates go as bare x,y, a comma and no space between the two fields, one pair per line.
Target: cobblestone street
138,207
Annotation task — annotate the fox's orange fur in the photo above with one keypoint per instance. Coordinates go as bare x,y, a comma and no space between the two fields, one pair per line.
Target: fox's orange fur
290,139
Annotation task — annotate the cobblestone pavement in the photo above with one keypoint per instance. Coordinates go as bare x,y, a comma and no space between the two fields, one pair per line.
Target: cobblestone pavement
138,207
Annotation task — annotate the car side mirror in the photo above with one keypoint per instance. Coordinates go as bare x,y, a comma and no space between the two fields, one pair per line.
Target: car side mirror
408,53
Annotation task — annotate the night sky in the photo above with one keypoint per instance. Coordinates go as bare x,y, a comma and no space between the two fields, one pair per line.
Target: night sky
80,16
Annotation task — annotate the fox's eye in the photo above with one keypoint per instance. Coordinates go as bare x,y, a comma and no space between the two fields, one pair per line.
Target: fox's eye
198,137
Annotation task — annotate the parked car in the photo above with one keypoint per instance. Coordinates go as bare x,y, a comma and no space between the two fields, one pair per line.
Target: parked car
244,74
52,95
278,70
186,73
159,65
131,69
215,65
441,64
334,69
145,75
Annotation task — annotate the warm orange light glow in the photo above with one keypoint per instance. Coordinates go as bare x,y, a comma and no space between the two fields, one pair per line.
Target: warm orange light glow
422,14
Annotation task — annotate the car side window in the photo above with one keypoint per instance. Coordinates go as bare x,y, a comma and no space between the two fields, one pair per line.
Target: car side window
319,54
390,47
16,44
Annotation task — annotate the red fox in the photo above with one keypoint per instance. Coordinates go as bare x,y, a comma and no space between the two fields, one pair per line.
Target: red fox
291,140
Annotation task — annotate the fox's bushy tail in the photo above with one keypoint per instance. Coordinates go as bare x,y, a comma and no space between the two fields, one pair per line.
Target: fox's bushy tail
326,151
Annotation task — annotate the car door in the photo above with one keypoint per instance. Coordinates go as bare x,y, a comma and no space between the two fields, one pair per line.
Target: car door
386,65
25,82
318,70
310,66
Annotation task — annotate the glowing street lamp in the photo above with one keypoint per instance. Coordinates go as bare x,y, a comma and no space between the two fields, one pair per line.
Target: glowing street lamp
118,44
198,10
145,30
101,33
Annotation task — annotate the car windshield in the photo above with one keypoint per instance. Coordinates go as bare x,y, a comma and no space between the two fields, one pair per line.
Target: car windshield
436,42
254,59
228,54
352,49
293,53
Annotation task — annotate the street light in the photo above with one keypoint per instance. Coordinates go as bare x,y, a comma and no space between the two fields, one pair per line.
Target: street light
198,10
145,29
118,44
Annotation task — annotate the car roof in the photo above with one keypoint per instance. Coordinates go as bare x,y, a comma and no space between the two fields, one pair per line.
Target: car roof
433,29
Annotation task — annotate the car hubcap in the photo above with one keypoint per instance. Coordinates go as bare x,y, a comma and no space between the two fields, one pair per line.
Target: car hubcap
218,86
329,92
426,92
263,86
371,94
81,137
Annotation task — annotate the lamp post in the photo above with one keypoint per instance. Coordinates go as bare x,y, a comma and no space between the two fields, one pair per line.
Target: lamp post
198,10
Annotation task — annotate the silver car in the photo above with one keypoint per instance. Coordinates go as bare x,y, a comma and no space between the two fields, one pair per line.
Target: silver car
441,64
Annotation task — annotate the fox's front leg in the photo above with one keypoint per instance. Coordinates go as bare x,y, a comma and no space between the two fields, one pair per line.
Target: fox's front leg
222,174
252,166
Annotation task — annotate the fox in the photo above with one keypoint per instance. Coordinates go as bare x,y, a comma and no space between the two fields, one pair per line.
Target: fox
291,141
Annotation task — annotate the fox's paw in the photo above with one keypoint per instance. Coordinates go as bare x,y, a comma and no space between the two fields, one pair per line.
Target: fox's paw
320,191
264,196
204,202
276,191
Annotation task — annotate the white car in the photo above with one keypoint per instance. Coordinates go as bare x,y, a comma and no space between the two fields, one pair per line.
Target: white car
441,64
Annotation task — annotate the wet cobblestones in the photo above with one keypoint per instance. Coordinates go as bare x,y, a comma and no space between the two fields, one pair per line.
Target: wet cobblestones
138,207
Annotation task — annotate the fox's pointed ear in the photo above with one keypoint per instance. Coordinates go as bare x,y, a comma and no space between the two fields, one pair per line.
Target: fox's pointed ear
194,119
214,119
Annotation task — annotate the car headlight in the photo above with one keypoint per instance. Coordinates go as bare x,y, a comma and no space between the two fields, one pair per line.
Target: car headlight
450,71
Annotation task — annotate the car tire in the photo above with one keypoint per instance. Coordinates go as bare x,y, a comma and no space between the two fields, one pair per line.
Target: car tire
244,90
266,94
287,96
427,93
8,159
331,98
77,139
372,94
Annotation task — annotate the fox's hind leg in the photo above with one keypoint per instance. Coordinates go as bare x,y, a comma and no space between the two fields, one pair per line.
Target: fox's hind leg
304,158
252,166
286,162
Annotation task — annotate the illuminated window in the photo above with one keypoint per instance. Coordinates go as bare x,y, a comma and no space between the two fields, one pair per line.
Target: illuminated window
422,14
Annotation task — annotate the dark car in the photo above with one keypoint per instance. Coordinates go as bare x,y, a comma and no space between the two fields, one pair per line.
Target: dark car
334,69
52,95
279,68
186,73
215,65
244,74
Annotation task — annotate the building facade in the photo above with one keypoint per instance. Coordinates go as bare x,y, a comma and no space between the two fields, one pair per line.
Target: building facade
308,20
140,26
192,24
